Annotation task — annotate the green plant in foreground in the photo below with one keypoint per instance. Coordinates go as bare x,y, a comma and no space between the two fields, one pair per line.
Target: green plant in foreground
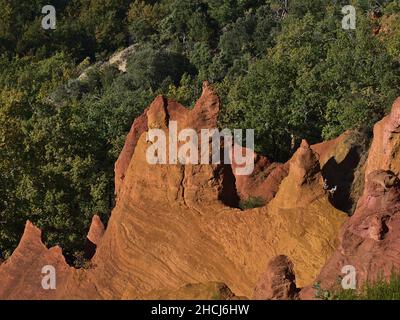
322,293
251,203
381,289
216,296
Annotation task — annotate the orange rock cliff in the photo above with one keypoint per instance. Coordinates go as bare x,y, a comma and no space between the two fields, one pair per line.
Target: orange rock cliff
176,231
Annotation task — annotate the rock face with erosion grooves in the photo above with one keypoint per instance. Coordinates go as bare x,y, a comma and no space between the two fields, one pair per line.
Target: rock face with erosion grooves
94,237
170,226
195,291
263,183
335,148
139,126
96,231
343,162
384,153
370,240
278,282
23,275
176,224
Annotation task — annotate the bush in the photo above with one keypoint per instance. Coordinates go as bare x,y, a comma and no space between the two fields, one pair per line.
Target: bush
251,203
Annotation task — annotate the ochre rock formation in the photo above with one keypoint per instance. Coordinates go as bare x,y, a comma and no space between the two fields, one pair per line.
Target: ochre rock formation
94,236
139,126
370,239
21,275
385,147
96,230
177,224
333,156
278,282
184,233
336,148
343,162
263,183
191,291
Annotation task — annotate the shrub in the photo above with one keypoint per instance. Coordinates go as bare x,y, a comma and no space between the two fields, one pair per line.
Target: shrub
251,203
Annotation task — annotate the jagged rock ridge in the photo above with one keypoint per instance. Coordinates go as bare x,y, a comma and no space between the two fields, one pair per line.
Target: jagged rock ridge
173,224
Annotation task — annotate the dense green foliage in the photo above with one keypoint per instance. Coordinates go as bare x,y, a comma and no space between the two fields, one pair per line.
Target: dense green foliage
289,73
